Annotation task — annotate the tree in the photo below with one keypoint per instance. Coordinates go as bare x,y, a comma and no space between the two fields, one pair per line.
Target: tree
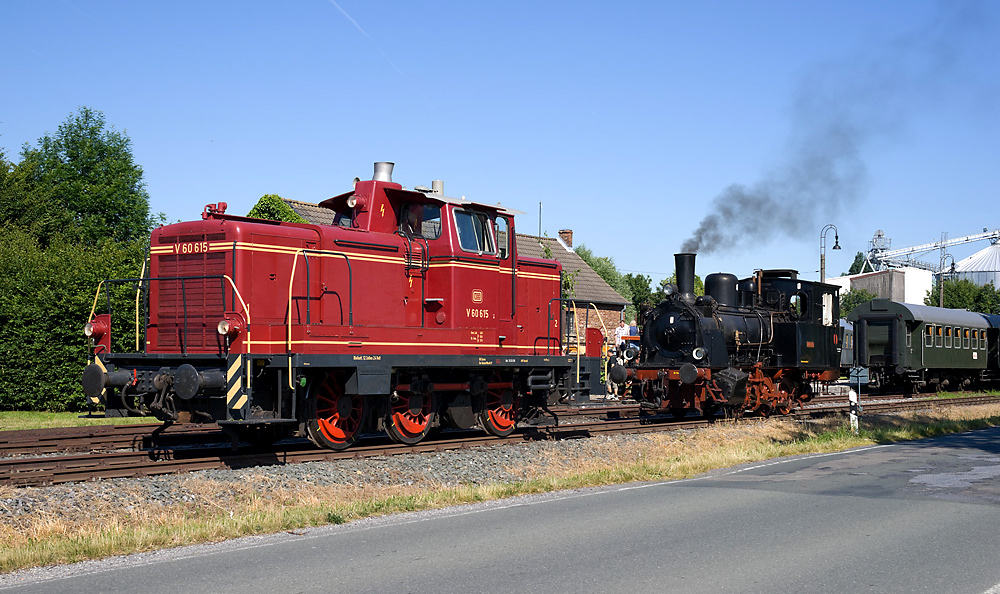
274,208
87,172
854,298
606,269
857,265
965,294
21,206
988,299
640,287
699,285
75,212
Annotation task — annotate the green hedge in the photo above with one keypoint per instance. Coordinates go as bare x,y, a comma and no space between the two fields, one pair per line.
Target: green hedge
46,294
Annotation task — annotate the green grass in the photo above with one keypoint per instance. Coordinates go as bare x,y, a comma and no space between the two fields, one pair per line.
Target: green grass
10,421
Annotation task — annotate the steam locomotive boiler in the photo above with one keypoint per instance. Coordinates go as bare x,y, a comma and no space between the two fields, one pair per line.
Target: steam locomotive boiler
750,346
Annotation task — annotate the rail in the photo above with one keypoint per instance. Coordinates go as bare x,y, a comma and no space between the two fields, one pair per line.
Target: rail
183,279
573,303
291,283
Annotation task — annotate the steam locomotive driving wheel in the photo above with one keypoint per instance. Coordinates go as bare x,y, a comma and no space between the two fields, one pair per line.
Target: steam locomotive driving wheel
335,418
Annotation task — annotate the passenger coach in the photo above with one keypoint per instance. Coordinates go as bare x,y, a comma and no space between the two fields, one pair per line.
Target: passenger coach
916,347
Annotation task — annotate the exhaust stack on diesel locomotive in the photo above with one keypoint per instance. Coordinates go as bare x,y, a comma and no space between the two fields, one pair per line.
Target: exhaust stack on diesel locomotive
383,171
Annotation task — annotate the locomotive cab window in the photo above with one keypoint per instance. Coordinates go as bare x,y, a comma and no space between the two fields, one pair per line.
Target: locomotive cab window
421,220
343,218
797,305
503,237
474,231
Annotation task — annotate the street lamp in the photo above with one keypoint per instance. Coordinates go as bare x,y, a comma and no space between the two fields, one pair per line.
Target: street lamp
822,249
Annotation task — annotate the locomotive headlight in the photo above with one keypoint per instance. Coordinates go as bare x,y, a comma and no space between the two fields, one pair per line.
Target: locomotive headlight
699,353
95,329
356,201
669,289
231,325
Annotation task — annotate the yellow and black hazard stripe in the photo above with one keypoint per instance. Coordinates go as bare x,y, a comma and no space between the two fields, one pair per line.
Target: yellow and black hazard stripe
103,397
236,390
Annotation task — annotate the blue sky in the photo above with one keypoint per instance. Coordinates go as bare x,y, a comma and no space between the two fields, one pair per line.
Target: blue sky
627,121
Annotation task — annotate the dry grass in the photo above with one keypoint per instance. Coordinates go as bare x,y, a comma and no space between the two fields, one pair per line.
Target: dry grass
132,523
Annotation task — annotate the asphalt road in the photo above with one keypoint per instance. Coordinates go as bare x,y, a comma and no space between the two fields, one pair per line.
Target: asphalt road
914,517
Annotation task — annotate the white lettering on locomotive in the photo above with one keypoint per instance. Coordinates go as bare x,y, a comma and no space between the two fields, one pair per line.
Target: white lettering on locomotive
197,247
472,312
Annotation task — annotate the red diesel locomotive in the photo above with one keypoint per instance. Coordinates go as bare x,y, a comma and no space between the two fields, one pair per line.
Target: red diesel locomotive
410,311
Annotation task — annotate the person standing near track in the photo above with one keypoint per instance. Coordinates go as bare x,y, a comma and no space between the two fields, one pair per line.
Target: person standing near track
620,333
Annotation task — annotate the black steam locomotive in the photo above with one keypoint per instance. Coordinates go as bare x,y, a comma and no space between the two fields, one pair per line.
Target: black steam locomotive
754,345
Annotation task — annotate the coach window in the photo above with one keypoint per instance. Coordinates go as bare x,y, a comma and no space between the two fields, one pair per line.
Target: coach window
965,338
929,335
474,231
938,334
982,340
947,337
503,237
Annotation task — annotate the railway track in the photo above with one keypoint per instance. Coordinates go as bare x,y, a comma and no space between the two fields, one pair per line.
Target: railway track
64,440
132,451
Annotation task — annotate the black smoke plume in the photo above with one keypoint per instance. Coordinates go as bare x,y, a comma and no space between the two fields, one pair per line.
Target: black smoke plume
839,111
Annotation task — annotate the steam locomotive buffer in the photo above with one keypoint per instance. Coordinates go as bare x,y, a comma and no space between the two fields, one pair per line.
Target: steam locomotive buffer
755,345
412,310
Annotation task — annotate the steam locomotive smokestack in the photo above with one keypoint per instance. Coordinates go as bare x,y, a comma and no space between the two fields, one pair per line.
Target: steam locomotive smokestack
383,171
684,266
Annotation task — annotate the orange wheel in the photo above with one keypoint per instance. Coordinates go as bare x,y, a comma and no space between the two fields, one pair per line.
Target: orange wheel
336,418
499,413
409,418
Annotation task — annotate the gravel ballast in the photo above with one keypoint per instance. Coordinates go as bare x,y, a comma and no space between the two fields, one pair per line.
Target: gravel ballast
76,502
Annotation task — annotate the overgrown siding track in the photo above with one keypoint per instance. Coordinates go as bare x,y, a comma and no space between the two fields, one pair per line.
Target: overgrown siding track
59,440
141,458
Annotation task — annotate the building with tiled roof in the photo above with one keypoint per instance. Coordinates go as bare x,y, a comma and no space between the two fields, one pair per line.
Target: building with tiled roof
313,213
588,286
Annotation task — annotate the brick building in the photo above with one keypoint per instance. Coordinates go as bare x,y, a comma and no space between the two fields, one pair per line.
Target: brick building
588,286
